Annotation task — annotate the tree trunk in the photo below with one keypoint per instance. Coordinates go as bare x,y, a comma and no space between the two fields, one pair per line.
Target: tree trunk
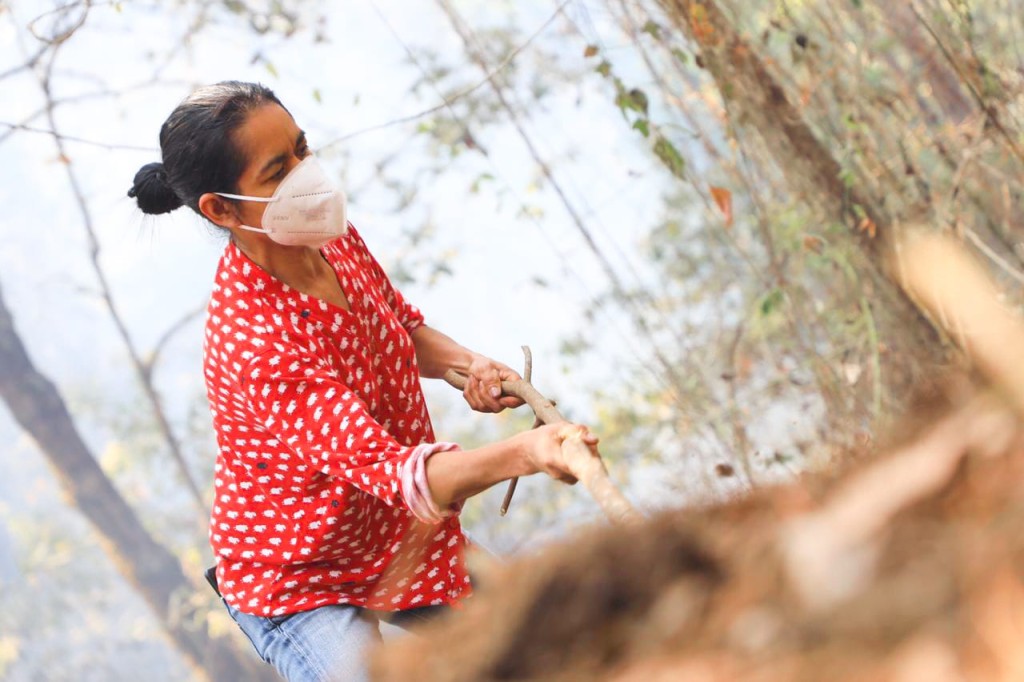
755,98
147,565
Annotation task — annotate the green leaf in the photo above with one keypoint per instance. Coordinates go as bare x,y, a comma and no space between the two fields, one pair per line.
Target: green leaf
604,68
770,302
480,179
652,28
317,96
639,99
680,55
847,177
670,156
633,100
643,126
271,68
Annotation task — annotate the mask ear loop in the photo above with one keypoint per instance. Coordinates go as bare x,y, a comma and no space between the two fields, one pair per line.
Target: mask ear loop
254,229
242,197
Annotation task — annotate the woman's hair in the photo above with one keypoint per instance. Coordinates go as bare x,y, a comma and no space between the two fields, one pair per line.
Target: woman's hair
198,147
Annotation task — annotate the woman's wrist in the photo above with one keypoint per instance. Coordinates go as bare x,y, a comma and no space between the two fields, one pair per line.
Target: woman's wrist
462,359
520,449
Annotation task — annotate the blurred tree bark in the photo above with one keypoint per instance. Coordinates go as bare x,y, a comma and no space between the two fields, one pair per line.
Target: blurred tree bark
147,565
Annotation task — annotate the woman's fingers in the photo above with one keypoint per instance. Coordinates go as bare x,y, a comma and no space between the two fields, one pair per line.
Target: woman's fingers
483,385
478,395
510,401
490,387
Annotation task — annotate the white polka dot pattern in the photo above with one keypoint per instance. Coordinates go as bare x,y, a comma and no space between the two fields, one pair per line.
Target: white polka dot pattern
316,409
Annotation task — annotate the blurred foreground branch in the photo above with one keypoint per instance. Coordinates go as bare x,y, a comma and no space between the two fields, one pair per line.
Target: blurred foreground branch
905,569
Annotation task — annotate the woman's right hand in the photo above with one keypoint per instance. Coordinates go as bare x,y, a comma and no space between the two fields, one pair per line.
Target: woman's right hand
542,449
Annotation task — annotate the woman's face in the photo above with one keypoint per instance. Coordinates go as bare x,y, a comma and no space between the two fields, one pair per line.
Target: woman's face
272,145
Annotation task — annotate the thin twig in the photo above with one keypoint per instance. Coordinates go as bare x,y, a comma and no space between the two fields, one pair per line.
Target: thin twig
28,64
57,40
168,334
79,140
990,113
448,101
993,256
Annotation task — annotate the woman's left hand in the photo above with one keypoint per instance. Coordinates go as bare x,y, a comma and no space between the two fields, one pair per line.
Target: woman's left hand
483,385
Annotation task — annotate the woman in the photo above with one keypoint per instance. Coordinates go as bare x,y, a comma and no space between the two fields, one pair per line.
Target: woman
333,501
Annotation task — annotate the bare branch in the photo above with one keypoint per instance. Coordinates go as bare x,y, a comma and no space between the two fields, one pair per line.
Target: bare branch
1003,264
139,365
448,101
71,138
30,63
990,113
169,334
62,10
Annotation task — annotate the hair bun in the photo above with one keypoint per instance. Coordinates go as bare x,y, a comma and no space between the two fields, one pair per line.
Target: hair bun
151,190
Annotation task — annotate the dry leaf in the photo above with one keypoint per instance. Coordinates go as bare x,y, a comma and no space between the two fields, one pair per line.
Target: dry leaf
812,243
701,26
723,198
867,225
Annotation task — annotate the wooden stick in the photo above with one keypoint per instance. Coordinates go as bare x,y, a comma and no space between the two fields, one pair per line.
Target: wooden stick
584,463
528,376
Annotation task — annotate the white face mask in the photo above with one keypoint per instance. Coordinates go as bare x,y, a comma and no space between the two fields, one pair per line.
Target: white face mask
306,209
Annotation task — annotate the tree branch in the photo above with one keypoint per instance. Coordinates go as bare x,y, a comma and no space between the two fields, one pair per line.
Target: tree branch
141,371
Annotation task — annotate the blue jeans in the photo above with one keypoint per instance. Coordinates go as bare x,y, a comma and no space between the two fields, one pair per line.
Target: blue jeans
327,644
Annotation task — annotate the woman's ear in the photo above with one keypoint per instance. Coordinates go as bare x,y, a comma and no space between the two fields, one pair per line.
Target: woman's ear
219,210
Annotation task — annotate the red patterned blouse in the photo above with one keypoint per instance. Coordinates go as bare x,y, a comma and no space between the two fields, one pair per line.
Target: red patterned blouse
318,411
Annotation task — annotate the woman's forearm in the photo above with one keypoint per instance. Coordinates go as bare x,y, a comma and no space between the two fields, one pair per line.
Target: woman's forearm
454,476
436,353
